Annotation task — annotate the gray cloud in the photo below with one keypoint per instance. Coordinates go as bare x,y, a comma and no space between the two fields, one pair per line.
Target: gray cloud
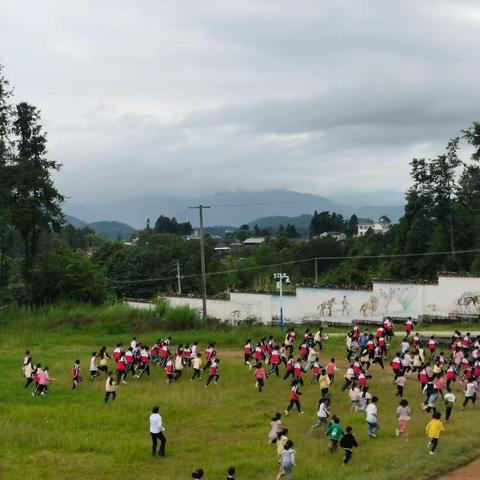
188,97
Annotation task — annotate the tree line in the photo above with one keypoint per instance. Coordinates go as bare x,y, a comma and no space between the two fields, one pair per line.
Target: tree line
43,260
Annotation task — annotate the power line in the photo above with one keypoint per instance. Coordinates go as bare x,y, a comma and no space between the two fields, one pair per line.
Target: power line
294,262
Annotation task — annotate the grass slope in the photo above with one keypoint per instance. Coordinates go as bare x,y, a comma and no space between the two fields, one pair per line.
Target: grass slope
74,435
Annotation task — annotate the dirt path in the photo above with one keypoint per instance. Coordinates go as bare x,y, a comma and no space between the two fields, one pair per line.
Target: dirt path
468,472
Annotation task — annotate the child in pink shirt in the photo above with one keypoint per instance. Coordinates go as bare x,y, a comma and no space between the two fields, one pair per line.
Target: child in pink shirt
277,428
43,380
403,417
260,375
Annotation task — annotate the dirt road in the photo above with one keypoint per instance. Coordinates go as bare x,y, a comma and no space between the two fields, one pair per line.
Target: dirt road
468,472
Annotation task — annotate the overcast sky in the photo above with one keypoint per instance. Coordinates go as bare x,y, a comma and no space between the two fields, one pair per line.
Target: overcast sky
188,97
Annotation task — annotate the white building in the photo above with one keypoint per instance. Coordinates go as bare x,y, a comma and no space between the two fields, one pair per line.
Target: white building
378,226
254,241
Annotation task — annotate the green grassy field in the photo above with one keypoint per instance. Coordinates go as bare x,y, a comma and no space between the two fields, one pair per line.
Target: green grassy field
74,435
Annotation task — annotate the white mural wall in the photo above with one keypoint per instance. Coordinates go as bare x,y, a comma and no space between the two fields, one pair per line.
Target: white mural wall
451,295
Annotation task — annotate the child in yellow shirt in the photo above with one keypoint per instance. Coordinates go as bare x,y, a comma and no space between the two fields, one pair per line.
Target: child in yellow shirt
433,430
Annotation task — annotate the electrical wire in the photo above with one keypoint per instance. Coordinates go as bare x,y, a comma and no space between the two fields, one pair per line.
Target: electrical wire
294,262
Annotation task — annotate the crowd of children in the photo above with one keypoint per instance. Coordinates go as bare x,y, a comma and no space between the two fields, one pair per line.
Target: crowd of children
37,375
134,361
437,371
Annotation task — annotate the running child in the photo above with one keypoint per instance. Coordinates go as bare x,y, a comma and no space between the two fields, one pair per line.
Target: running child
433,430
290,365
247,352
297,371
145,360
334,432
282,440
121,369
323,413
275,361
294,397
197,366
260,376
449,400
94,371
451,376
348,443
287,461
400,381
43,380
324,382
213,372
104,358
276,428
331,368
403,417
170,370
316,369
470,393
110,387
76,374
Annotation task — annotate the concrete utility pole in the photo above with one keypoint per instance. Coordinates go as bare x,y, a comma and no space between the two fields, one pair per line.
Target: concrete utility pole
316,271
179,279
202,260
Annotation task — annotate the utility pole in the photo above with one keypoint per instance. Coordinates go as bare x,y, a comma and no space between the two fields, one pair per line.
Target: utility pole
452,243
179,279
202,260
280,277
316,270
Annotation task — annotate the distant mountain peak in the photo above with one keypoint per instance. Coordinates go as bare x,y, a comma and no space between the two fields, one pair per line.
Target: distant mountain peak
228,208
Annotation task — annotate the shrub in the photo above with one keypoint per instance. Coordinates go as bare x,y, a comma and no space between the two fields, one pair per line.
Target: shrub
162,305
181,318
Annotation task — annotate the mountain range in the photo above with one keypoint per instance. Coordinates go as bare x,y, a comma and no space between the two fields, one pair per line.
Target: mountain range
228,208
108,229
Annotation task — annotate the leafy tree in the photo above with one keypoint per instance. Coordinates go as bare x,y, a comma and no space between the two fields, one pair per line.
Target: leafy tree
326,222
472,135
5,184
352,226
35,201
170,225
291,231
65,274
242,233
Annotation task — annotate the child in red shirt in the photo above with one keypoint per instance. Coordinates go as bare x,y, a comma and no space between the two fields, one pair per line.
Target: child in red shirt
316,369
213,372
331,369
294,398
260,375
76,374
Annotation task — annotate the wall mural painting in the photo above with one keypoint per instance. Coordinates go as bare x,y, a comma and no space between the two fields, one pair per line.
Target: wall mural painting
468,302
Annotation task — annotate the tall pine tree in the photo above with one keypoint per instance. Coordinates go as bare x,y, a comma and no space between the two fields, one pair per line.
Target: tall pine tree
36,203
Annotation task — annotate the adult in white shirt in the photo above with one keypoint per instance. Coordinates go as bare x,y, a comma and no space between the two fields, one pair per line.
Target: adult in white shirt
133,343
156,432
372,420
